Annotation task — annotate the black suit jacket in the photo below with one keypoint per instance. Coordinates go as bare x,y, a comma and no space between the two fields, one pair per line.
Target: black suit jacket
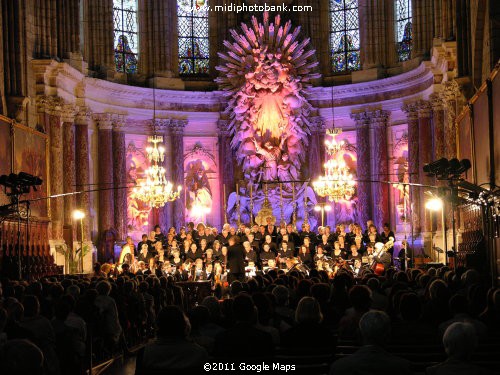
243,341
236,258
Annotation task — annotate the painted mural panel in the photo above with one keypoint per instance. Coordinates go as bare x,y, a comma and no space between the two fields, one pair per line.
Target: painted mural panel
31,156
5,155
400,210
345,211
138,212
201,181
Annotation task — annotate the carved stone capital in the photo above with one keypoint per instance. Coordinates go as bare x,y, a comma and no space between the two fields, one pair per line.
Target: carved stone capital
104,121
160,125
50,104
177,126
223,127
118,122
361,118
424,109
83,115
436,101
317,125
68,113
379,117
411,110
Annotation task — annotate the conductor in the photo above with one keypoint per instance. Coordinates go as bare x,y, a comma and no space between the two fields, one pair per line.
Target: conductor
235,260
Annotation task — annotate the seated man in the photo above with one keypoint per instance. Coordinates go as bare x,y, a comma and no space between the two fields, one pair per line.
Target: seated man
171,350
459,342
371,358
244,339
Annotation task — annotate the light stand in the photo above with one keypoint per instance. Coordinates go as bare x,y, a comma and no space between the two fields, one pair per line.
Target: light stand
80,215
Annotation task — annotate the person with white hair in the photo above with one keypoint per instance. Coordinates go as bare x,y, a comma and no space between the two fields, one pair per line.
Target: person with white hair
372,358
459,341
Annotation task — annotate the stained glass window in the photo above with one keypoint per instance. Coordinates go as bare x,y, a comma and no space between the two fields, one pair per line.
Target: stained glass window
193,36
403,29
344,35
126,39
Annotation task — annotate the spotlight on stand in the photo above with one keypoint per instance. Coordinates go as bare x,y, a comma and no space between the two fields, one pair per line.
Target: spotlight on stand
445,169
29,180
17,184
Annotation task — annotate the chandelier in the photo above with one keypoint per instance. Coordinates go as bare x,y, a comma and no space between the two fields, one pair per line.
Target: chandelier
337,183
332,146
156,190
156,153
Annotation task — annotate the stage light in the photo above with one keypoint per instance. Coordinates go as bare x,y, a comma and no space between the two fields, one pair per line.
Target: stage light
78,214
29,180
328,208
434,204
317,208
437,167
9,181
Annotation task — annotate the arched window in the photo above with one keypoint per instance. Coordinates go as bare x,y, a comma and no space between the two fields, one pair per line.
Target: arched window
403,29
344,35
126,35
192,19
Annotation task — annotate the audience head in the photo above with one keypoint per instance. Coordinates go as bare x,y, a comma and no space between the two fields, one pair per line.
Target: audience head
282,295
360,297
103,288
375,327
308,311
460,340
244,309
172,323
21,357
31,306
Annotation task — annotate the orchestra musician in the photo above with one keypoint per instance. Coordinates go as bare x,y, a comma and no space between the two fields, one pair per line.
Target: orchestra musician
305,256
127,253
382,256
338,252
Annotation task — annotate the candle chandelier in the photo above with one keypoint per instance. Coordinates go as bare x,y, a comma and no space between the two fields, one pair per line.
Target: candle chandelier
155,190
337,183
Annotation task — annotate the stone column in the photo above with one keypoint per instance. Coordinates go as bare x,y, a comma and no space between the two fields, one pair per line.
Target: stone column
380,167
423,22
56,170
226,161
98,46
157,35
119,177
69,176
438,117
372,14
413,163
425,157
316,156
105,171
451,96
363,166
45,19
68,29
177,133
82,152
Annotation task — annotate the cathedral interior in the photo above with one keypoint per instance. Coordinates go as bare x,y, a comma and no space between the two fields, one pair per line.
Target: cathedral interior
119,117
243,118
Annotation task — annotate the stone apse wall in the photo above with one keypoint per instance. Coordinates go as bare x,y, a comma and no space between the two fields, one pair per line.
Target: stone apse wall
388,125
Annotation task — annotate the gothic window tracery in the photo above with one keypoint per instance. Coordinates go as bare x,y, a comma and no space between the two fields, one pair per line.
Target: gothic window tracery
126,42
344,35
404,39
192,19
